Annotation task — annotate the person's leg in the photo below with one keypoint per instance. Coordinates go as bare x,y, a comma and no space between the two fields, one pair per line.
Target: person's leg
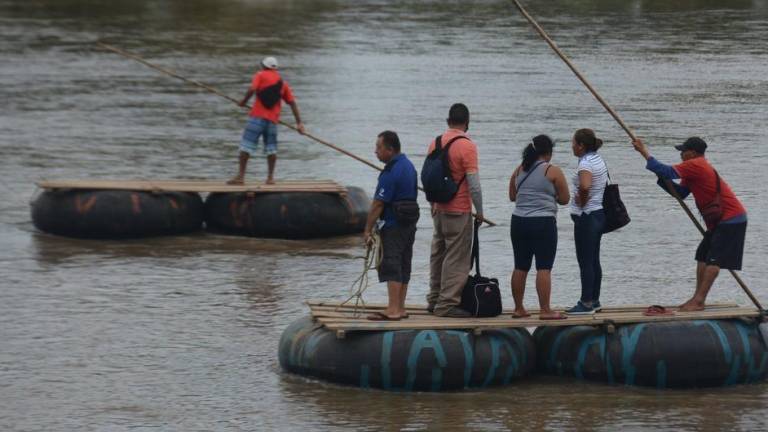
242,165
271,162
408,238
518,292
598,225
389,271
270,148
393,304
248,143
598,269
522,249
584,251
544,290
702,252
699,299
457,229
545,250
436,257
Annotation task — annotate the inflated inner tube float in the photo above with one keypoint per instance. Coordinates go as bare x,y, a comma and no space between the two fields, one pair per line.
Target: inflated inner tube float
408,360
289,215
676,354
116,214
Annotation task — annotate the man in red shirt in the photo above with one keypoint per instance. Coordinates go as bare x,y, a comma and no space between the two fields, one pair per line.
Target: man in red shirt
451,250
724,215
270,90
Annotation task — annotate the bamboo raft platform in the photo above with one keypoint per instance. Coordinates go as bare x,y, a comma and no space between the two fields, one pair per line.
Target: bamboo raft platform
211,186
347,318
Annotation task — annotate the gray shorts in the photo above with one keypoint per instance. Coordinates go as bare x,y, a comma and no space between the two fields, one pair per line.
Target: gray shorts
397,245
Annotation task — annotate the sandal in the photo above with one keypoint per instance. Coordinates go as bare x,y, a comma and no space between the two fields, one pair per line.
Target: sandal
380,316
657,310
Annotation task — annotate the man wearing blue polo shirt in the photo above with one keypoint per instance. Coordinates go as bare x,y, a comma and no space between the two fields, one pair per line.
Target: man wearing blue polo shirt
395,209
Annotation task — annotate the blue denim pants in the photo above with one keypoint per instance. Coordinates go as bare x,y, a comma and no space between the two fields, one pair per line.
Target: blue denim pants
588,231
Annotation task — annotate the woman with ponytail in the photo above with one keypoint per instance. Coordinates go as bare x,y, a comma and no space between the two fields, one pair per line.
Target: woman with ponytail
536,187
588,217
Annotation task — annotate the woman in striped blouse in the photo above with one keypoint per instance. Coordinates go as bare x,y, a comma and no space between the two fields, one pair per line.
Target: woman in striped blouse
589,217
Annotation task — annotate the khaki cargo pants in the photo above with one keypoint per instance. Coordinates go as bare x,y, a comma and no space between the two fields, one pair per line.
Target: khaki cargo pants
450,259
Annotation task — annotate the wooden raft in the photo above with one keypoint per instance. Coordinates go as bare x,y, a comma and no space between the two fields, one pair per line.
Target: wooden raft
342,319
321,186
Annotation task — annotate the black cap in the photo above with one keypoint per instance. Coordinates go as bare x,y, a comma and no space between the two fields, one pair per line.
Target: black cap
693,143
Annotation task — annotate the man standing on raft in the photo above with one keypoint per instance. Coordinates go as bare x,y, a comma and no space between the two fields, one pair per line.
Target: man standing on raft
395,208
723,213
270,90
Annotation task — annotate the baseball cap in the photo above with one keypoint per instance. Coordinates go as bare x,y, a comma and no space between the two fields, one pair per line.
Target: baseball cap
693,143
269,62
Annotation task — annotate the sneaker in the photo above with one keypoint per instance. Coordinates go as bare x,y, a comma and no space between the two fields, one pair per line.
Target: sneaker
596,306
580,309
457,312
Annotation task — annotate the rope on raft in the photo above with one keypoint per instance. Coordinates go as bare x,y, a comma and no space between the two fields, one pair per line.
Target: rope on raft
370,262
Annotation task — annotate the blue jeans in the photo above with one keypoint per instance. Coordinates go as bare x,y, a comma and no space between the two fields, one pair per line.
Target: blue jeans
588,231
255,129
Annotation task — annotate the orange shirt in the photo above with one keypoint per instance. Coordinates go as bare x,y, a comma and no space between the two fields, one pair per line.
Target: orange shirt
462,159
261,80
699,177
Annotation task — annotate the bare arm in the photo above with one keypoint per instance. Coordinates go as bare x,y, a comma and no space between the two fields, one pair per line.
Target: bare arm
377,208
556,176
512,183
585,182
297,116
246,98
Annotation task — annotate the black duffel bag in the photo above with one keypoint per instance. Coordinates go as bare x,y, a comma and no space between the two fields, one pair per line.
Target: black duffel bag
616,215
481,296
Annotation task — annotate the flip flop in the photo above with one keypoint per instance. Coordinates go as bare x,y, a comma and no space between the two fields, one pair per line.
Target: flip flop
514,316
656,310
557,316
379,316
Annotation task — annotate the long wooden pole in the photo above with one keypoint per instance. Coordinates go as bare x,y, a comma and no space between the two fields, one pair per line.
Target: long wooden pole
236,102
626,128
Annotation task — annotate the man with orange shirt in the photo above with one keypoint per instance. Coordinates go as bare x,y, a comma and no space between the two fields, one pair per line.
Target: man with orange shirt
270,90
452,238
724,215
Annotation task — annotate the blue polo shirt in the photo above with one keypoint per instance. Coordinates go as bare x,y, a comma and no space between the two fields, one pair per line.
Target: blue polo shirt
397,182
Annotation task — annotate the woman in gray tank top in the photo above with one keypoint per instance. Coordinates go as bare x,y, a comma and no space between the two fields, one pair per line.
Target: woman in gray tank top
536,188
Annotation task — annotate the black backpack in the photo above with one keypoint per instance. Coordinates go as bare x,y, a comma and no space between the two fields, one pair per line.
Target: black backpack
436,174
269,96
481,295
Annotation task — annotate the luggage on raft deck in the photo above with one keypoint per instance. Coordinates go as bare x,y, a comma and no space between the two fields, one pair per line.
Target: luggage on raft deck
290,215
114,214
675,354
408,360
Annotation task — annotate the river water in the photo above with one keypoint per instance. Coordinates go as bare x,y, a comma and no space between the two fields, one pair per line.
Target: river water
181,333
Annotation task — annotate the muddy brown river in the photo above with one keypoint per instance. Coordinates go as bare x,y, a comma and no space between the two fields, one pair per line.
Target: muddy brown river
180,333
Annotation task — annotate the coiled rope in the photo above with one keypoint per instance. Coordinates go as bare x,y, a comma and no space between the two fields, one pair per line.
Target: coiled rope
371,261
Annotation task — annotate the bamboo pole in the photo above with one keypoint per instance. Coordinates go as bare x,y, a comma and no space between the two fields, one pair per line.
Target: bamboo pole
629,132
236,102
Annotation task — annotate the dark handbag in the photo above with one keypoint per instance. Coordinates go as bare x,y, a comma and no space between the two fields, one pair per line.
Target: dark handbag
616,215
406,212
713,211
481,295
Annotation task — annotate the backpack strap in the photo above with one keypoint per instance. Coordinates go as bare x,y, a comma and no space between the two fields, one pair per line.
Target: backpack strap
476,249
717,178
447,156
529,173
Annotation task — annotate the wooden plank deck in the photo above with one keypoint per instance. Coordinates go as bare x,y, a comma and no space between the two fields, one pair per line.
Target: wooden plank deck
321,186
343,319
